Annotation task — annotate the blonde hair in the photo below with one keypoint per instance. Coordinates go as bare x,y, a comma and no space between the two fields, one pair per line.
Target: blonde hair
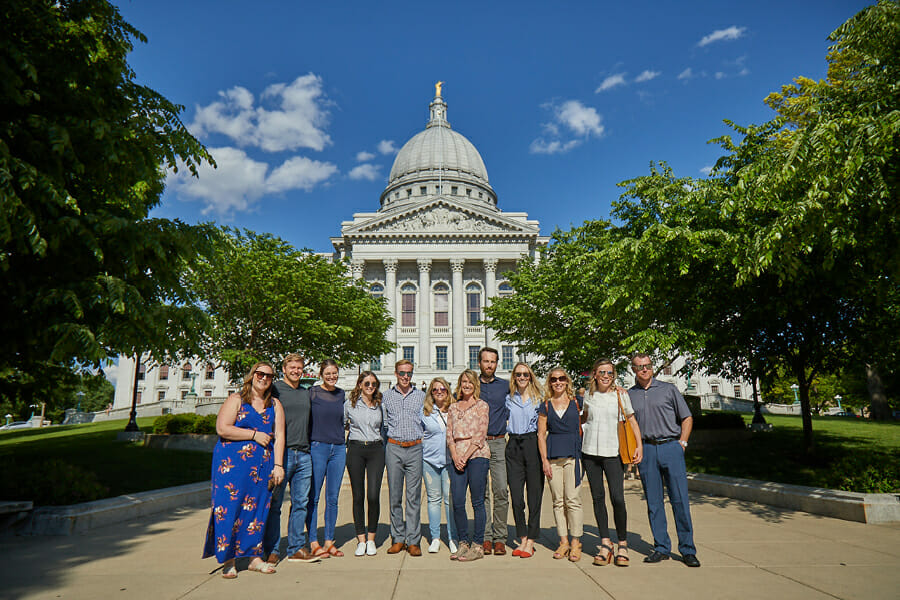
292,357
597,363
471,376
429,401
247,387
357,390
570,391
535,393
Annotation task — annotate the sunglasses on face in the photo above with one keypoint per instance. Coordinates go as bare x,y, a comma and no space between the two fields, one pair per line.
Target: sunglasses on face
369,384
261,375
605,373
440,391
643,368
404,373
563,378
525,375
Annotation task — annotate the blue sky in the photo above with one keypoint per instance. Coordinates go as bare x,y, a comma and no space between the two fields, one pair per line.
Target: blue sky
304,104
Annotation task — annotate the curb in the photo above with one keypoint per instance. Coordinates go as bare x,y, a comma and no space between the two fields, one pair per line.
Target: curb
849,506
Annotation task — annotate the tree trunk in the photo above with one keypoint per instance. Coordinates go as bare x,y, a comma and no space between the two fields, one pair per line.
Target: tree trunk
880,410
806,415
758,418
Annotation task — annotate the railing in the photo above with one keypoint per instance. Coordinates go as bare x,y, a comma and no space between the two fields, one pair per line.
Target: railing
440,330
408,330
474,330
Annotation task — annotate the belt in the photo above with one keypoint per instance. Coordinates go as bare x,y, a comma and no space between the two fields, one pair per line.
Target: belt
365,443
405,444
495,437
298,449
659,441
522,436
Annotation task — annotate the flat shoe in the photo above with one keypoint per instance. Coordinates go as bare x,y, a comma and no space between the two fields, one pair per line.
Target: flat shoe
263,567
360,549
371,548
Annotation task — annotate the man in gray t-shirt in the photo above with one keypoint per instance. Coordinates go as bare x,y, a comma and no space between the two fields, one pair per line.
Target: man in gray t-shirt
297,467
665,422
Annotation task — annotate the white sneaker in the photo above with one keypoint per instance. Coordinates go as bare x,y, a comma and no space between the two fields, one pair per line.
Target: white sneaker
435,546
370,548
452,546
360,549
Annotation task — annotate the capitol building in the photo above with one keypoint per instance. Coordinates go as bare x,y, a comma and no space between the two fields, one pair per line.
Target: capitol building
438,249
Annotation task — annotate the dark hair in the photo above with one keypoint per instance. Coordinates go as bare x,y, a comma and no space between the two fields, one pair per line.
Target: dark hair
246,388
327,363
638,355
488,349
597,363
357,389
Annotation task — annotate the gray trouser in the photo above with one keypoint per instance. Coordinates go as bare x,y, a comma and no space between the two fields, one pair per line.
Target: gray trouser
496,529
405,464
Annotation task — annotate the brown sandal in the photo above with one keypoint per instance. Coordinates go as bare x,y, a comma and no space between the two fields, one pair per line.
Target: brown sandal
602,560
575,552
332,550
562,551
622,556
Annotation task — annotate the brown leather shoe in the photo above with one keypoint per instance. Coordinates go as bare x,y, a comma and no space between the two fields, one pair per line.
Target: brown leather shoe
397,547
499,548
488,548
303,555
414,550
273,558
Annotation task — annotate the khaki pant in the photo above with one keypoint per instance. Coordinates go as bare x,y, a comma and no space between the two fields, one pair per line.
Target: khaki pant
566,496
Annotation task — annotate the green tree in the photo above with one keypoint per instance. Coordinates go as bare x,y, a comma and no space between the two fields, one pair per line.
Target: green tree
84,150
265,299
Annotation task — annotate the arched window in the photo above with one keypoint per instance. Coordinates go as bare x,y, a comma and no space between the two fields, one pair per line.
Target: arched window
163,372
473,304
441,305
504,289
376,290
408,305
186,371
210,371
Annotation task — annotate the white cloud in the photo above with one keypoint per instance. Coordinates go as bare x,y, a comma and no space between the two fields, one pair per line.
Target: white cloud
367,171
239,181
686,74
541,146
722,35
743,72
720,75
297,117
647,76
569,118
387,147
611,82
364,156
706,170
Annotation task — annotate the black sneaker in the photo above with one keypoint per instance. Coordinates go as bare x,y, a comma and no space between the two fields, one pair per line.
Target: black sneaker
658,556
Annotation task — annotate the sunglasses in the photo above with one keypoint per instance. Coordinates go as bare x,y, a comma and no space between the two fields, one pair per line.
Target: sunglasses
525,375
404,373
642,367
606,373
263,375
555,379
369,384
439,391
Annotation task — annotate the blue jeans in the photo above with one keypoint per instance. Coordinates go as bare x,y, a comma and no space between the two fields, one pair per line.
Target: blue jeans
437,488
473,477
328,461
667,461
297,472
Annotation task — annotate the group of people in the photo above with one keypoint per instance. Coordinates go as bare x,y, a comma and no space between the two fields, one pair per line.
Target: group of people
497,440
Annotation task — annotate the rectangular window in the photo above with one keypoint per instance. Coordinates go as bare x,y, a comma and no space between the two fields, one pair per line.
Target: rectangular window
184,394
441,309
408,310
210,371
737,391
507,355
441,358
375,364
163,372
473,309
142,371
409,353
423,190
473,357
161,395
714,388
207,393
138,400
667,370
454,190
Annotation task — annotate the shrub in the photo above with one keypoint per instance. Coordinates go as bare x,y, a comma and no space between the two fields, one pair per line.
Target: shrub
161,424
876,473
185,423
719,420
205,425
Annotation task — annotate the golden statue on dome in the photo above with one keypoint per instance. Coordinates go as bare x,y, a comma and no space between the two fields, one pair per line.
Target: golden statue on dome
437,89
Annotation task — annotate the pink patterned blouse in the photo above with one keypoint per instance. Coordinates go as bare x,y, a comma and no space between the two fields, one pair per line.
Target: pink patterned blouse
467,428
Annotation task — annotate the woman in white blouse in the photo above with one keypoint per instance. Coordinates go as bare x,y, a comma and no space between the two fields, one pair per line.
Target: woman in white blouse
605,405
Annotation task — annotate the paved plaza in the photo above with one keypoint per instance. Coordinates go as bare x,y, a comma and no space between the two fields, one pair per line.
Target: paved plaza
747,550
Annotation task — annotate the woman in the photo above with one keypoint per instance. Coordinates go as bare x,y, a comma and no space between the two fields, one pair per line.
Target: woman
329,456
436,462
248,454
559,442
604,406
523,460
467,422
365,457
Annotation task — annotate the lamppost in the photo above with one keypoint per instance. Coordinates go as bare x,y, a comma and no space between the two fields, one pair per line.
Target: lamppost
132,419
8,417
838,399
795,387
80,396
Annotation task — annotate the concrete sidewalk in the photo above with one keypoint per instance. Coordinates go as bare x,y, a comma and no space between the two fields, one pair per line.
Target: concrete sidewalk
747,550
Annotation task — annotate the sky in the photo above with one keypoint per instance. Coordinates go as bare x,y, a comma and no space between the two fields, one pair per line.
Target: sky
304,105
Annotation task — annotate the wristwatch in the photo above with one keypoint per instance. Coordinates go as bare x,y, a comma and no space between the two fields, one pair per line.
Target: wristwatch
683,443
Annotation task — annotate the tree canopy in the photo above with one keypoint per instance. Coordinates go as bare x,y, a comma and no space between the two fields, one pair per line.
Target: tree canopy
84,150
266,299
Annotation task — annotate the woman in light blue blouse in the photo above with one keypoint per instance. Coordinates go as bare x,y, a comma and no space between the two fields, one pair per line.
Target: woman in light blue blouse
436,462
523,460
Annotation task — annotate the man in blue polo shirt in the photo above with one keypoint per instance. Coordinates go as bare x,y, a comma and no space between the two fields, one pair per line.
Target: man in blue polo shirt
494,391
665,422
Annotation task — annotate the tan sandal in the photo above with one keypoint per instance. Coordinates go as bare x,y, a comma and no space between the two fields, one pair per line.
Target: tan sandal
262,567
332,550
601,560
562,551
575,552
622,556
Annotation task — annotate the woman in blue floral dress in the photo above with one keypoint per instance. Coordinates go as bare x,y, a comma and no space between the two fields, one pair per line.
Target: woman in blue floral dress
248,454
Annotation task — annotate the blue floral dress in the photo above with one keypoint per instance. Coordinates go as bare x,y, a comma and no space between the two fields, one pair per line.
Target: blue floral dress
240,492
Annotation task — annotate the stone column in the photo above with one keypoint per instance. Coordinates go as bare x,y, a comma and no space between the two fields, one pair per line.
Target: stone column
458,321
424,358
390,294
490,291
356,267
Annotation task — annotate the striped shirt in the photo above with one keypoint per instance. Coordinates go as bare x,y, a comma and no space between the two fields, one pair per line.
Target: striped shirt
403,414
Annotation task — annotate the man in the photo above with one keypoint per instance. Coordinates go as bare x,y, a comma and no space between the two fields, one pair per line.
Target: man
494,391
665,422
297,466
402,406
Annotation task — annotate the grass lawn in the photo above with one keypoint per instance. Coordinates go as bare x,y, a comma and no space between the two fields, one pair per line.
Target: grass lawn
75,463
851,454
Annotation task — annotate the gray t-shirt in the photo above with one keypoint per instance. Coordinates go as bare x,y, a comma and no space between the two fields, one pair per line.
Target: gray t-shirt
296,414
659,409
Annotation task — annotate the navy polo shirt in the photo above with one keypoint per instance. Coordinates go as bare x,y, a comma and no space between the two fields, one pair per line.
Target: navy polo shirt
494,393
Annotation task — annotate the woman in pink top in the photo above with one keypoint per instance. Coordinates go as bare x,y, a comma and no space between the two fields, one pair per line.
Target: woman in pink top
467,423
